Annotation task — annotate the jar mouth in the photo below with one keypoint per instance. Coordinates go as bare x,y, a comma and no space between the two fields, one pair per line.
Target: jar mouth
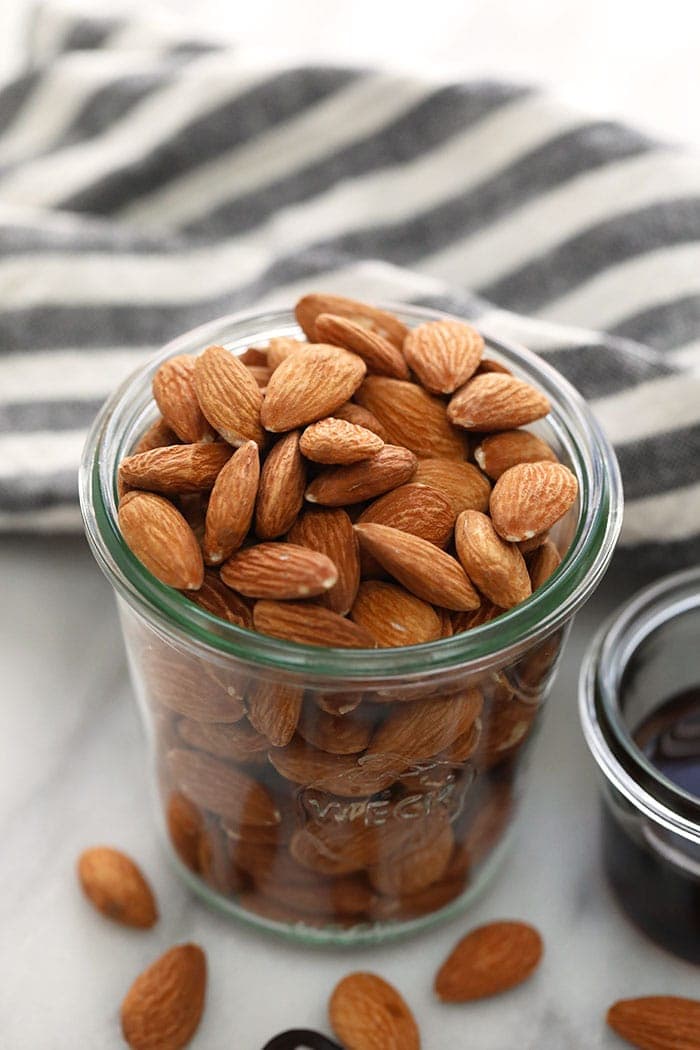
590,456
607,734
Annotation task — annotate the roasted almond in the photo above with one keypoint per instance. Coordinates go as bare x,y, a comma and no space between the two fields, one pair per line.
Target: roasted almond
384,324
496,567
347,775
329,531
422,728
254,356
281,489
219,600
420,566
367,1013
175,395
230,509
282,347
530,498
393,616
342,486
310,624
498,452
175,469
220,788
443,354
362,417
416,869
542,563
156,436
464,621
229,396
308,386
380,355
237,743
489,364
412,417
345,734
496,401
184,823
117,887
657,1022
489,960
274,709
462,484
413,508
279,571
261,374
163,1007
162,540
337,441
534,543
187,686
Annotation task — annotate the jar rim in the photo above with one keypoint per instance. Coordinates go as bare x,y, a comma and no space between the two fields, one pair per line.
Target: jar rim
582,567
609,739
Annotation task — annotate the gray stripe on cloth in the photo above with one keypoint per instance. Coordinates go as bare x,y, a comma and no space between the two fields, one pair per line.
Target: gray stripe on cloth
665,327
660,463
28,416
38,491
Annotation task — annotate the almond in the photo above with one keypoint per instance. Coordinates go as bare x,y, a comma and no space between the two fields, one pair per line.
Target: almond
229,396
380,356
497,568
393,616
657,1022
489,364
337,703
498,452
156,436
385,324
344,734
215,864
175,469
175,395
308,386
367,1013
530,498
281,491
362,417
340,486
412,417
534,543
419,867
117,887
337,441
545,560
422,511
261,374
421,567
443,354
279,571
230,509
422,728
219,600
489,960
184,823
281,347
413,905
183,684
464,621
462,484
329,531
505,728
218,787
274,710
163,1007
345,775
496,401
237,743
310,624
158,535
255,356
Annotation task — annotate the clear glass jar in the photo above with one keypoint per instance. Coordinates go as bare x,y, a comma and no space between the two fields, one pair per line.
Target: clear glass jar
328,837
646,654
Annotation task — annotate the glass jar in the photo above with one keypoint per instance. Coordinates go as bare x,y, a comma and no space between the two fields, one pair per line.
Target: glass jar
646,655
328,836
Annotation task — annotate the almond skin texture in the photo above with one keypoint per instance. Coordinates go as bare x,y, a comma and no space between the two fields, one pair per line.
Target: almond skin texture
185,824
422,728
116,887
231,504
393,616
221,789
347,775
415,870
380,356
499,452
156,436
176,469
175,395
307,386
239,743
338,734
337,441
367,1013
219,600
542,563
496,402
657,1022
280,348
163,1007
329,531
443,354
489,960
362,417
420,566
279,571
416,509
311,306
530,498
310,625
281,490
160,537
412,417
274,709
497,568
229,396
461,483
343,486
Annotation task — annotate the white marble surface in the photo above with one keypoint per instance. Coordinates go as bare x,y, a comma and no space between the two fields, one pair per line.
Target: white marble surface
73,773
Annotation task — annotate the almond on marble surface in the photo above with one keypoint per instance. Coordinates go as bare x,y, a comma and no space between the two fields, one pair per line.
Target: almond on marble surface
488,961
117,887
657,1022
163,1007
367,1013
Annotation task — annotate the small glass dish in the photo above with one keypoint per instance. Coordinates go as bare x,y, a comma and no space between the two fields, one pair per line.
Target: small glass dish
642,664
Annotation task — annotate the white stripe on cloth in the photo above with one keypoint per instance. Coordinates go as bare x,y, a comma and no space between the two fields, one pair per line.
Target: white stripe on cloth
40,452
559,214
656,407
664,518
84,374
687,356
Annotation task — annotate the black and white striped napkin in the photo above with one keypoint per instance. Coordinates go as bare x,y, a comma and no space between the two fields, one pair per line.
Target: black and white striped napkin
150,182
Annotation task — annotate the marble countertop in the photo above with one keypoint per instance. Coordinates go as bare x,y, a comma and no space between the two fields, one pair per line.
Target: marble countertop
73,774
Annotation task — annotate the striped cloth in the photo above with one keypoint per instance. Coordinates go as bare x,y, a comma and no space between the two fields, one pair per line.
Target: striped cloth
149,183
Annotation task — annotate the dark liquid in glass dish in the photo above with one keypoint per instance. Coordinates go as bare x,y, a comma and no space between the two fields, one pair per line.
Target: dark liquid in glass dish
670,739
